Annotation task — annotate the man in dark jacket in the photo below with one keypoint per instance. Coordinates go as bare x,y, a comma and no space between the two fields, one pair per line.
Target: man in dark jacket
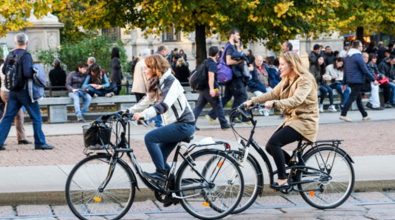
20,97
355,75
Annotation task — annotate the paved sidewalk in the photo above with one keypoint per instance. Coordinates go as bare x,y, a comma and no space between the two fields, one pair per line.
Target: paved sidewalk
368,205
38,176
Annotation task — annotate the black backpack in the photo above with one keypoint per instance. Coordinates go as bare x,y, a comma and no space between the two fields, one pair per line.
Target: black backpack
198,79
13,72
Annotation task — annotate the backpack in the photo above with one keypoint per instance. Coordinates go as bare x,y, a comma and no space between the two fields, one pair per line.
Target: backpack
198,79
224,72
13,72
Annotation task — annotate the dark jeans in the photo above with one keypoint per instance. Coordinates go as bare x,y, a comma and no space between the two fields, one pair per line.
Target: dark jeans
236,89
139,96
161,141
356,94
280,138
15,102
326,90
215,102
99,92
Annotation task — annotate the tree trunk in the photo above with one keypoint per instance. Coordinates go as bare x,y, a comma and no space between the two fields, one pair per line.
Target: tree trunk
200,39
360,34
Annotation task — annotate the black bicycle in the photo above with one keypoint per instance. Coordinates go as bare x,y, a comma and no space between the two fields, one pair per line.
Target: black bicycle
103,184
321,172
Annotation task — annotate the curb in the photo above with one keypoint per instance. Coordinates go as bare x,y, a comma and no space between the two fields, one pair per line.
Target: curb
58,198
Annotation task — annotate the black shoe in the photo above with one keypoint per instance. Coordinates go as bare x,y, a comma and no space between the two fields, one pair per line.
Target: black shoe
169,200
158,176
226,126
369,105
24,142
285,186
378,108
43,147
197,129
2,147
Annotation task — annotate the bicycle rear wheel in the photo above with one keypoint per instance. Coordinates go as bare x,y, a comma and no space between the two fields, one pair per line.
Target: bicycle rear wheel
210,190
95,189
331,181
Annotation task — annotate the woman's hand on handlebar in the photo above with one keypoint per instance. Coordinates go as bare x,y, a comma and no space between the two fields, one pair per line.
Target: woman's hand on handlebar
137,116
248,104
269,104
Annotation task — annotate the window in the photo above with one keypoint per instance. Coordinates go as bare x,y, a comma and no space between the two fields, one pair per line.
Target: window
171,35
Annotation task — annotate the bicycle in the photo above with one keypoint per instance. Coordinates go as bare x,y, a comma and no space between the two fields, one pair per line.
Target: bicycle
103,184
321,172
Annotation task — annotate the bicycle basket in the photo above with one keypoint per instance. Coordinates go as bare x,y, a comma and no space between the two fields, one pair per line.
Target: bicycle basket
96,134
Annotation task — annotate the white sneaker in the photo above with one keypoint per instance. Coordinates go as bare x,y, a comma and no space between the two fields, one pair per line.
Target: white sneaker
366,118
345,118
332,108
321,108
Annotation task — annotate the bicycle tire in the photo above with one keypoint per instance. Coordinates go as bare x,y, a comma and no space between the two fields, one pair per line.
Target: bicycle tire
207,207
90,173
336,185
253,181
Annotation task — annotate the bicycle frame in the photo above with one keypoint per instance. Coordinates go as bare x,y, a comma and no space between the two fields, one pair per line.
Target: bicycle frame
122,146
297,154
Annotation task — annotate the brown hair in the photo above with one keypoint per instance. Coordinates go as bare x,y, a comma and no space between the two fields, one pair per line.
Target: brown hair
158,65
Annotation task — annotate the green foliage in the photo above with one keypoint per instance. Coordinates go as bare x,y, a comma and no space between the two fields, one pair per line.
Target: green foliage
73,53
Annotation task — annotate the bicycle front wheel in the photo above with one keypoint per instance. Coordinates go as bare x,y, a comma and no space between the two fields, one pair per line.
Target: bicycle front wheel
253,180
96,188
329,178
210,184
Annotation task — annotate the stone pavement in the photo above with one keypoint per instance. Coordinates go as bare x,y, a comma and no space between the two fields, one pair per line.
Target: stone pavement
30,176
367,205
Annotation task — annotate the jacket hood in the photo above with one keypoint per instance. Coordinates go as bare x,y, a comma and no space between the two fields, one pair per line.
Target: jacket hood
353,51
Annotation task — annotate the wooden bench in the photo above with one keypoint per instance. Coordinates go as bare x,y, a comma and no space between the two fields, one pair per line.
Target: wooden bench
57,106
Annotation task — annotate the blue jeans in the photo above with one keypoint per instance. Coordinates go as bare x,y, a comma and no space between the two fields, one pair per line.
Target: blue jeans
345,94
86,101
324,91
99,92
15,101
161,141
392,87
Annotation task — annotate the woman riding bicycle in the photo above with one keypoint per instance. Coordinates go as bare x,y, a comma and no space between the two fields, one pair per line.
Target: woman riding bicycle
165,97
296,96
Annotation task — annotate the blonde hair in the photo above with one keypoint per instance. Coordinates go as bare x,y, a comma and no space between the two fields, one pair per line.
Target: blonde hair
293,59
157,63
180,62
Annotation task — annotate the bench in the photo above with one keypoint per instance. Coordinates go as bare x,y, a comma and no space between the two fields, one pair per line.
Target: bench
57,106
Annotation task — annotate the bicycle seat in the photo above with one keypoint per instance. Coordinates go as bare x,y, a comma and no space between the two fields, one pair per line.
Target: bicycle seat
188,139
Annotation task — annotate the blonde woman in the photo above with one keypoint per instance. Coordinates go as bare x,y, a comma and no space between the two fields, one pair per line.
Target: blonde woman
296,96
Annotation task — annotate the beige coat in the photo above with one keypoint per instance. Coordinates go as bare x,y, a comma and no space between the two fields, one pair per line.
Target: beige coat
140,82
299,103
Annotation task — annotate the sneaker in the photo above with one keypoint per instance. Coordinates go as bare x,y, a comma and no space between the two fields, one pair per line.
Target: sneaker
24,142
366,118
225,126
80,119
345,118
321,108
387,105
111,94
210,120
332,108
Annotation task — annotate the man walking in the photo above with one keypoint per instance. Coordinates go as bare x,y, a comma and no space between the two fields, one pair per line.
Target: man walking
355,75
210,94
20,97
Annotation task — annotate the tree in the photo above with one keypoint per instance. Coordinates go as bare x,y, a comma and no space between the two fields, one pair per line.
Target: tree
273,21
365,16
